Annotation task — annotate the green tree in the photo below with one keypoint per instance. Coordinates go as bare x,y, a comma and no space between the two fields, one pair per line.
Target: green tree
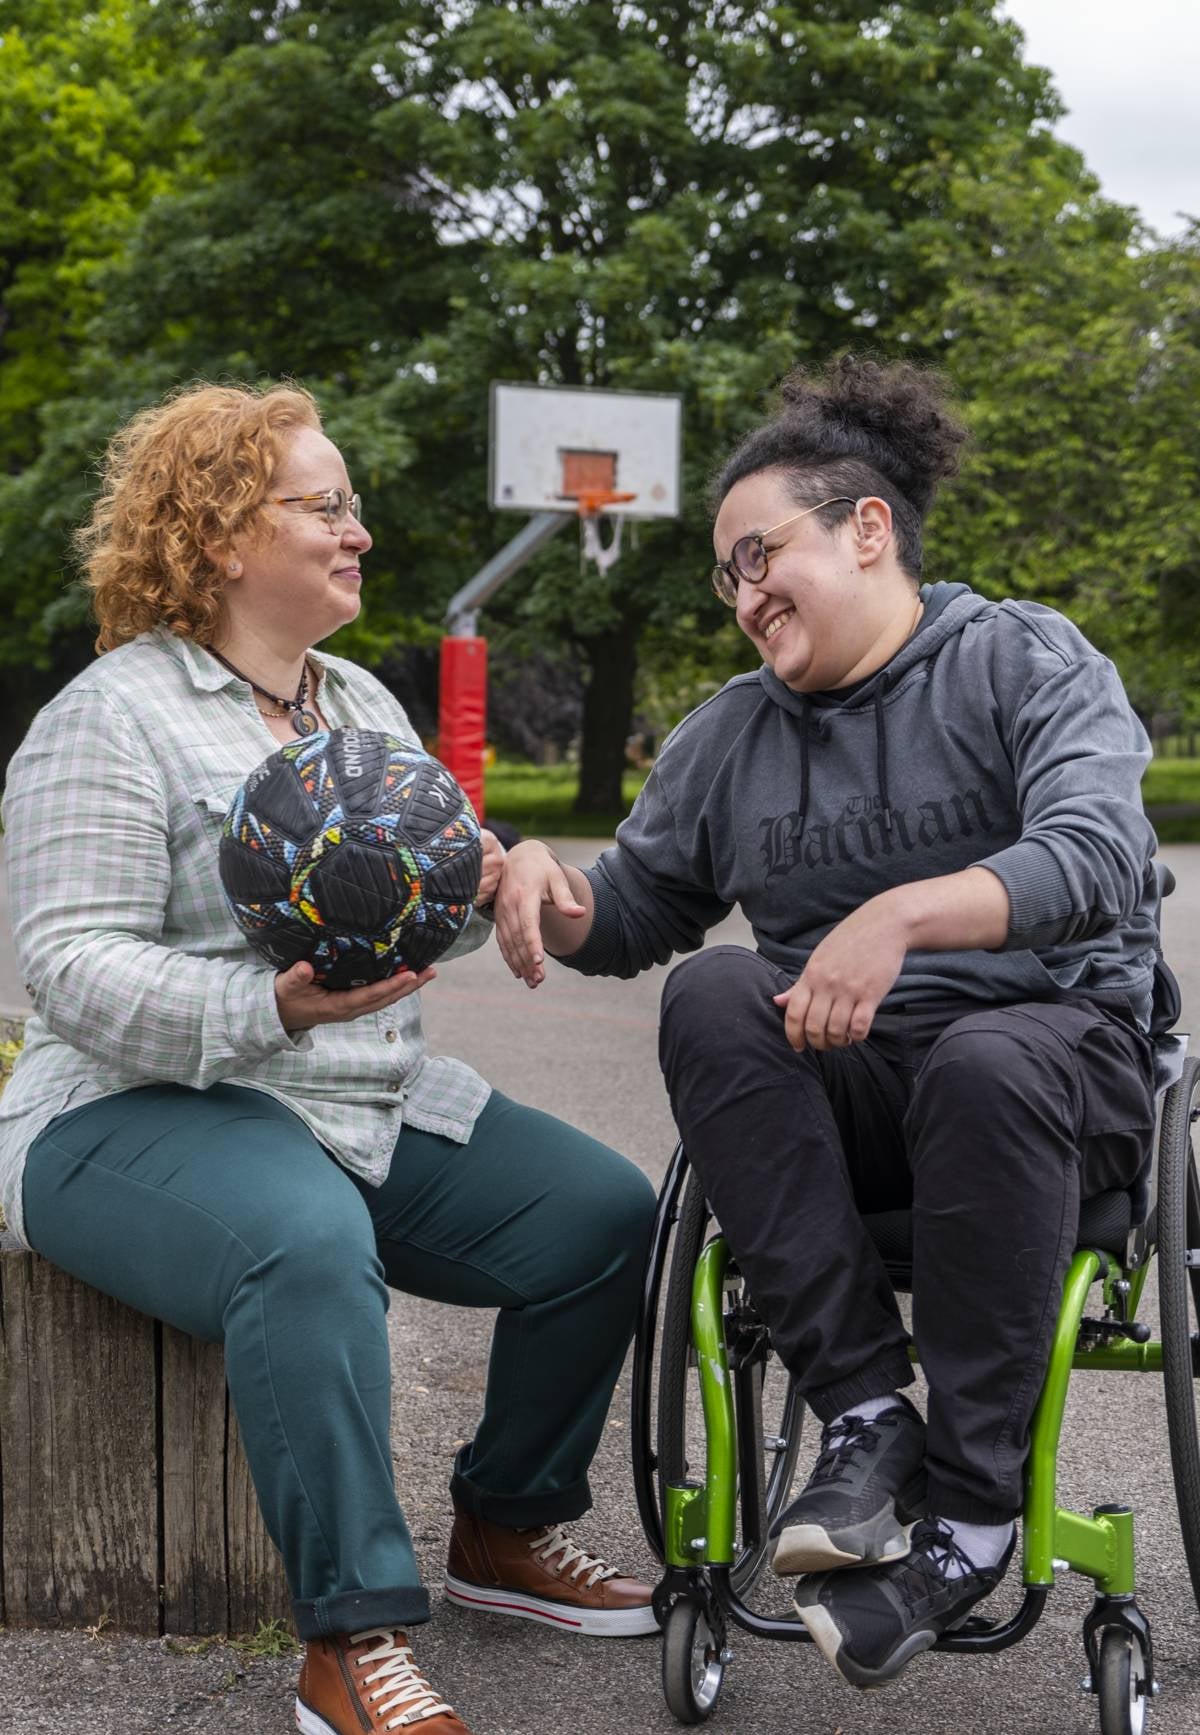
93,107
398,202
683,197
1075,346
192,210
94,111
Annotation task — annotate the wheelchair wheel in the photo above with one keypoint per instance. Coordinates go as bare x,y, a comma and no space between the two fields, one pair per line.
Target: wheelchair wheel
1122,1683
1178,1236
693,1667
770,1411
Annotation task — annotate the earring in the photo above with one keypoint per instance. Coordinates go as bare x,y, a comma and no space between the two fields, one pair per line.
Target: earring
235,568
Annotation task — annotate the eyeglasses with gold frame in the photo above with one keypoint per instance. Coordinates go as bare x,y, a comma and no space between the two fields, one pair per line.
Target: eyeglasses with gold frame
336,504
748,560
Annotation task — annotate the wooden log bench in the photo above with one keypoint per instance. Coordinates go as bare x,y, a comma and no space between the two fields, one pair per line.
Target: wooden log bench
124,1490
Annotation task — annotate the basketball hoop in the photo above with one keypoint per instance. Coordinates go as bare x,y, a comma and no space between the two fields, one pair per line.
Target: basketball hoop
587,451
553,451
590,504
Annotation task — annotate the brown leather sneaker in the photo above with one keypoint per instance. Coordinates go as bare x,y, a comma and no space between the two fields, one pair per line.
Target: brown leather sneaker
368,1682
540,1575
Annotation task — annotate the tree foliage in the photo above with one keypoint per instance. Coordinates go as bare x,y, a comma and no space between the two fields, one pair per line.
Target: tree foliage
1076,350
94,106
95,110
398,202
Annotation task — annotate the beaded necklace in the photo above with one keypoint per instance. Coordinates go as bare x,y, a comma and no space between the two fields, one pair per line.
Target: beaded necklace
304,721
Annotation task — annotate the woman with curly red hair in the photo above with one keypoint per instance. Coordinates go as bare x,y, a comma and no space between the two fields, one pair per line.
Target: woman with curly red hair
254,1158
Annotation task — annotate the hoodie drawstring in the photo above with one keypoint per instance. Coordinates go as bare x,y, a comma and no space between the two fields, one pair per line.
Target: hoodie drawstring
805,725
881,757
880,760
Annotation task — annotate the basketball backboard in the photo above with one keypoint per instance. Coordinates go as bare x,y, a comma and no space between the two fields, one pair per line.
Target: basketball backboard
555,446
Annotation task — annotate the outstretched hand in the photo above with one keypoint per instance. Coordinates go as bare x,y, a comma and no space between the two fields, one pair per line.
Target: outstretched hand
533,879
303,1003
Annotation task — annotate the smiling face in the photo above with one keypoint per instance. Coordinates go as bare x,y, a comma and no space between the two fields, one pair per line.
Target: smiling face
834,605
299,579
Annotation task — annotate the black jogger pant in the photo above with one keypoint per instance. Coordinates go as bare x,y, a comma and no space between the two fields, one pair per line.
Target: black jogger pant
990,1124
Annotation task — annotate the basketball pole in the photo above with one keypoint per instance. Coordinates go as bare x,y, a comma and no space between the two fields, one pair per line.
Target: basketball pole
462,676
462,713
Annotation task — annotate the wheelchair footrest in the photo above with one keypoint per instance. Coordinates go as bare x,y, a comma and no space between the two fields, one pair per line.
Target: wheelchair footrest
975,1627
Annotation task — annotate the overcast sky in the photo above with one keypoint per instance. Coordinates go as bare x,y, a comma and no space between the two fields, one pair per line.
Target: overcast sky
1127,71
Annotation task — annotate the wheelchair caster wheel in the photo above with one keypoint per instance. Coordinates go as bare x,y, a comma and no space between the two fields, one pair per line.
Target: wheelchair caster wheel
1122,1683
693,1663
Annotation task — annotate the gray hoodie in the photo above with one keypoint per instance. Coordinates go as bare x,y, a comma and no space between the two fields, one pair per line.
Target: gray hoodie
996,736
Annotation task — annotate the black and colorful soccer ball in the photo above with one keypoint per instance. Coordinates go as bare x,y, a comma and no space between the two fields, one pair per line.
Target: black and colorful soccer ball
354,850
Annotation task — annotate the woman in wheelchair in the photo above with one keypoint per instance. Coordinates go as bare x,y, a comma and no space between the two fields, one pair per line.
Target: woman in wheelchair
927,805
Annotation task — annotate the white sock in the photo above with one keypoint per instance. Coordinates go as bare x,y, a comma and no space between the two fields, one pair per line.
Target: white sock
869,1408
983,1544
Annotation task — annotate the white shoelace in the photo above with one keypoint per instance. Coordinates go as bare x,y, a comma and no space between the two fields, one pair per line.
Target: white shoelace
553,1540
404,1684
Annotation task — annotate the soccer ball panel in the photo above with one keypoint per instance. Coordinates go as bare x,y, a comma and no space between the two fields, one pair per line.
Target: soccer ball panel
276,798
424,945
456,881
356,888
359,760
251,874
434,802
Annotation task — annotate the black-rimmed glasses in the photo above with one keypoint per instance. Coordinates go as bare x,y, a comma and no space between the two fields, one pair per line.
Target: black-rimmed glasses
336,504
747,561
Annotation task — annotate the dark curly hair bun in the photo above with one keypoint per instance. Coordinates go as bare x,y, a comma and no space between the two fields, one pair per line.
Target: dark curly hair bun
856,427
893,417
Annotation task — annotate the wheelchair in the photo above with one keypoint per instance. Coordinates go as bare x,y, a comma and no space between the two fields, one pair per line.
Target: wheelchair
710,1531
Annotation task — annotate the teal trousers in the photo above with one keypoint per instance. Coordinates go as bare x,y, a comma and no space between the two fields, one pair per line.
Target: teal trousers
220,1213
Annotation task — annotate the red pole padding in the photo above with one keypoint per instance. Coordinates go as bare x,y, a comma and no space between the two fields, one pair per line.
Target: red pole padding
462,713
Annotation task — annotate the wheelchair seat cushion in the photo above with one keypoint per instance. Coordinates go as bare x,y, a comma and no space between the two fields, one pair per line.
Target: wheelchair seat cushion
1104,1223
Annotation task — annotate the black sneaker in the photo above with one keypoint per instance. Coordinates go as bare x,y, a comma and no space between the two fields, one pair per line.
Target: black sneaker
869,1624
866,1486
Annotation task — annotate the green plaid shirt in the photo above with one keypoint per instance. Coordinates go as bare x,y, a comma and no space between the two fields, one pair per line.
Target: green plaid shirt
132,961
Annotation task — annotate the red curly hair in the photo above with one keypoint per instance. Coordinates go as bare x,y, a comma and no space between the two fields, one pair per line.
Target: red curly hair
179,483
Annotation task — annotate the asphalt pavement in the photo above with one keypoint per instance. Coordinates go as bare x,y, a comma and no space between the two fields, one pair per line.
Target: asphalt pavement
585,1050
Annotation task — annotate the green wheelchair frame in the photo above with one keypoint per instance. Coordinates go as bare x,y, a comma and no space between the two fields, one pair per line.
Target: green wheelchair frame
711,1560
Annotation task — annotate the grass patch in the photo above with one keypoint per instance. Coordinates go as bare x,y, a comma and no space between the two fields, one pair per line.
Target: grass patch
1176,828
8,1054
1172,784
269,1639
196,1648
1170,781
538,799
